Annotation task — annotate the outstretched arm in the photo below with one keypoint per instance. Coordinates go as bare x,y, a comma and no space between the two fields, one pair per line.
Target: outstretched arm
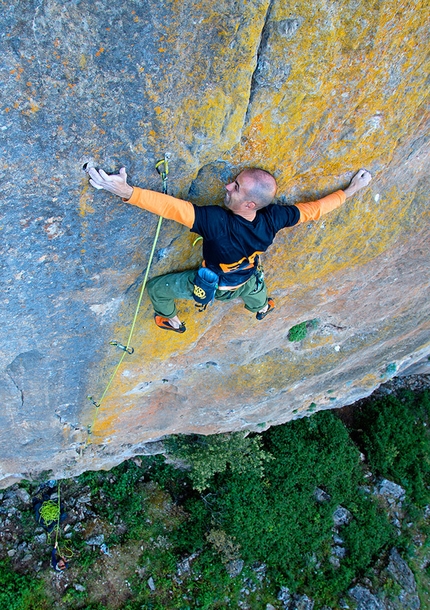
158,203
315,209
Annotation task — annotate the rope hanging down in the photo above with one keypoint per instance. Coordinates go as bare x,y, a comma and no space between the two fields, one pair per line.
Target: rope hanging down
162,168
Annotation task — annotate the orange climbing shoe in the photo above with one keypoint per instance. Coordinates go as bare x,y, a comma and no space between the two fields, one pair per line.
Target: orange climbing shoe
165,324
260,315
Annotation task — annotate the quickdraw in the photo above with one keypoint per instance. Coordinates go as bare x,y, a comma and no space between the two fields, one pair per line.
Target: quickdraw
162,168
129,350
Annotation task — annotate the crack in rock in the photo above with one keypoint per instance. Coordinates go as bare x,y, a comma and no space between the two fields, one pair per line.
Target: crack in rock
23,367
271,71
21,392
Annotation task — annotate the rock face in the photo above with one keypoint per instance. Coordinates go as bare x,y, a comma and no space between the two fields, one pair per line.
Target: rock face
311,92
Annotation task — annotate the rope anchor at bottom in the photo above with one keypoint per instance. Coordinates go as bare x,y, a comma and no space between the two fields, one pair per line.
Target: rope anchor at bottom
129,350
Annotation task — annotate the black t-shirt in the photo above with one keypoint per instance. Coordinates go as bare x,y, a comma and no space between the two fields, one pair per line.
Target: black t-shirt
231,244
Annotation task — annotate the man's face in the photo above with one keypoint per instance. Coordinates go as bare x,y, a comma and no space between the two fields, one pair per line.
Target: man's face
237,192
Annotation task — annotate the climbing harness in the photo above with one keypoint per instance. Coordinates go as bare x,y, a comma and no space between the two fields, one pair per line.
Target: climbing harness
162,167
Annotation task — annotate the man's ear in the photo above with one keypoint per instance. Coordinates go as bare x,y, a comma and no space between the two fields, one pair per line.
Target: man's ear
250,205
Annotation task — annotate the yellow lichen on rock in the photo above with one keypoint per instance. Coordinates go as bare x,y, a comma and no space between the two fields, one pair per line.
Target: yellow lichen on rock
309,91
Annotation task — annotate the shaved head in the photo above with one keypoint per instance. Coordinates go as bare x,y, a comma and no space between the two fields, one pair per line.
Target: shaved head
263,186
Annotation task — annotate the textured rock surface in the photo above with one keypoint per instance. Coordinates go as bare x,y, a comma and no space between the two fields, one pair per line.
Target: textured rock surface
311,92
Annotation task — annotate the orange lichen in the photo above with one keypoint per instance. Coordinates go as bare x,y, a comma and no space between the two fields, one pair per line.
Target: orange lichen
347,101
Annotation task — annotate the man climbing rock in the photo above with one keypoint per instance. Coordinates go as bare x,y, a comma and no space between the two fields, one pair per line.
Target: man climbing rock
233,238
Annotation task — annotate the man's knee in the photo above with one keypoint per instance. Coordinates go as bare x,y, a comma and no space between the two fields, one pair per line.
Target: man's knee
150,286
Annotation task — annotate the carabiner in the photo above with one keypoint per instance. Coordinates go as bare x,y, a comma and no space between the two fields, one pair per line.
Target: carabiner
165,162
129,350
162,167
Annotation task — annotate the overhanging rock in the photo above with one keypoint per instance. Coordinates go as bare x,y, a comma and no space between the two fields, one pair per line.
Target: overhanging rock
311,92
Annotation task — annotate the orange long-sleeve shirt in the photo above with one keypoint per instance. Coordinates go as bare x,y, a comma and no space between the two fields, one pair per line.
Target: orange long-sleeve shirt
183,211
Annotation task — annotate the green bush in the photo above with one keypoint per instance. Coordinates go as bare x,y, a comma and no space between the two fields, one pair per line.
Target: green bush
393,434
253,497
123,496
20,592
300,331
208,455
277,520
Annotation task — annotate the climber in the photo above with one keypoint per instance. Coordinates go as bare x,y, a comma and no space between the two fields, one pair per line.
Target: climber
233,238
58,563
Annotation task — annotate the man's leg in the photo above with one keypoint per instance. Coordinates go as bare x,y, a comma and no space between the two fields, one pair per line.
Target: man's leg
253,294
164,289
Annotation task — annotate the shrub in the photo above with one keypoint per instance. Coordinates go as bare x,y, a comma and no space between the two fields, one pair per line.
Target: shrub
276,519
393,433
300,331
20,592
208,455
121,494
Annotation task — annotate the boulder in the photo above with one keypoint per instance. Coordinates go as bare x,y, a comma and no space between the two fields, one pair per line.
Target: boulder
399,571
391,491
365,599
341,516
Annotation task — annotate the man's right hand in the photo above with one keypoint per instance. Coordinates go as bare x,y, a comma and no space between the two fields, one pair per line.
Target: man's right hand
115,183
359,181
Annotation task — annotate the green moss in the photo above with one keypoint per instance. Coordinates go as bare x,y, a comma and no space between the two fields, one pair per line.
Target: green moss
297,332
300,331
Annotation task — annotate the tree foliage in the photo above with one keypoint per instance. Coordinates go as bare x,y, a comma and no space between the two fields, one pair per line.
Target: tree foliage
208,455
393,432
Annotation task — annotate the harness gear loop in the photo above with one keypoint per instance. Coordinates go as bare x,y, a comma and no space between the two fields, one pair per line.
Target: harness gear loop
162,167
129,350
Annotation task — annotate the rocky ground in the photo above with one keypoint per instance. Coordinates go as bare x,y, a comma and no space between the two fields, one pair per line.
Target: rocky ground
103,574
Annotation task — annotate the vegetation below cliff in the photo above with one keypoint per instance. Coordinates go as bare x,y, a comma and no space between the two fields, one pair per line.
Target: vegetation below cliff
295,515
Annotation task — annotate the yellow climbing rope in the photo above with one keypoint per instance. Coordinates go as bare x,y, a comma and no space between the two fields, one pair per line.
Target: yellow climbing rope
49,512
162,168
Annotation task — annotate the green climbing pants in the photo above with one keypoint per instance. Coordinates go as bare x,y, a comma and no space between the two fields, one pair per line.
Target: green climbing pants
164,289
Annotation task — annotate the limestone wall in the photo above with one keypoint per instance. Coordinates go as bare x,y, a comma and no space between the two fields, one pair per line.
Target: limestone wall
309,91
